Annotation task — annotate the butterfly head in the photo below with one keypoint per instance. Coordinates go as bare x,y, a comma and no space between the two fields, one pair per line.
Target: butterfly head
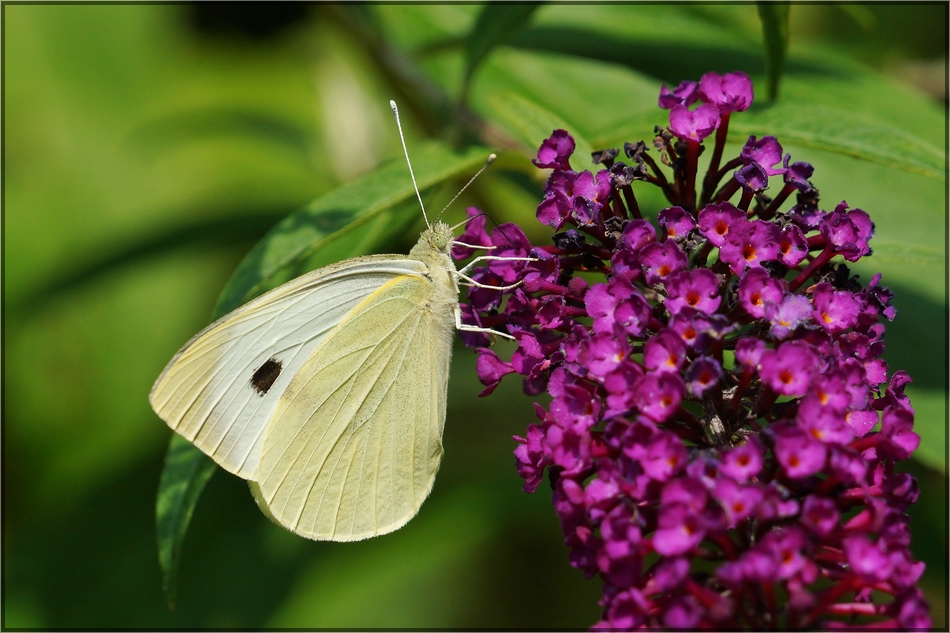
439,236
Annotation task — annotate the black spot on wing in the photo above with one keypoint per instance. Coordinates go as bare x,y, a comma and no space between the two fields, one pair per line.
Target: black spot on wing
263,379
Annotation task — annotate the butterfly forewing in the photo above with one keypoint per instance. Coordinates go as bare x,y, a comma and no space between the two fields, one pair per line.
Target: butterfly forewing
224,385
354,445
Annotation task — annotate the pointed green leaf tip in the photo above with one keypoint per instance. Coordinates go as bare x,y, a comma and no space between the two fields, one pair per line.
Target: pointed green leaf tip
186,472
774,17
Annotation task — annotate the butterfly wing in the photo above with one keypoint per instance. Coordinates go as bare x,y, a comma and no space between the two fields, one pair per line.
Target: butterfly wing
222,388
356,440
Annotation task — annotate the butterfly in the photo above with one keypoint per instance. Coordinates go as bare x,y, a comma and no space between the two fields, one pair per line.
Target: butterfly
328,393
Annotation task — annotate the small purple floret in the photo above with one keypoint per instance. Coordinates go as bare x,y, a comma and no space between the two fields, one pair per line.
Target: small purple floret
694,125
766,152
555,152
717,220
731,92
757,289
683,94
676,222
696,289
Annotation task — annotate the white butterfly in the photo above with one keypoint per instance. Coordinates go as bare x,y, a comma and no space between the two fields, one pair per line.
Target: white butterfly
328,393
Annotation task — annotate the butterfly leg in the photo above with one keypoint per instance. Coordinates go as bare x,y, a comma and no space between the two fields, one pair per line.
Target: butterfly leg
469,265
471,282
465,327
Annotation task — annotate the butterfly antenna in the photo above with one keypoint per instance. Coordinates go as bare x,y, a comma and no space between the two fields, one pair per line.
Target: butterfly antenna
501,229
467,220
491,159
392,104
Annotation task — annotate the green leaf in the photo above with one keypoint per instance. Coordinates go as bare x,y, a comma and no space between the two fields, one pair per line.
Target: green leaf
351,220
907,254
530,123
186,472
496,25
843,131
774,17
698,49
824,127
930,405
355,219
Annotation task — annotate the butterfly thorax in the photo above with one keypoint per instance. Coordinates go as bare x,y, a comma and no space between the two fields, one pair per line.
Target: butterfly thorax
433,249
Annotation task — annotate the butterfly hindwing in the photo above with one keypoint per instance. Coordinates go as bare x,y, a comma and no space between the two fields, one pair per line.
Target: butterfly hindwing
354,445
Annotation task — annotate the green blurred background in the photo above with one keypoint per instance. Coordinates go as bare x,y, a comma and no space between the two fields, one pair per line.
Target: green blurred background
147,148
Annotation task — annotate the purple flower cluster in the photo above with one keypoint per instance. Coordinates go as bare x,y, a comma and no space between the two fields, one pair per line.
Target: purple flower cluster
721,435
